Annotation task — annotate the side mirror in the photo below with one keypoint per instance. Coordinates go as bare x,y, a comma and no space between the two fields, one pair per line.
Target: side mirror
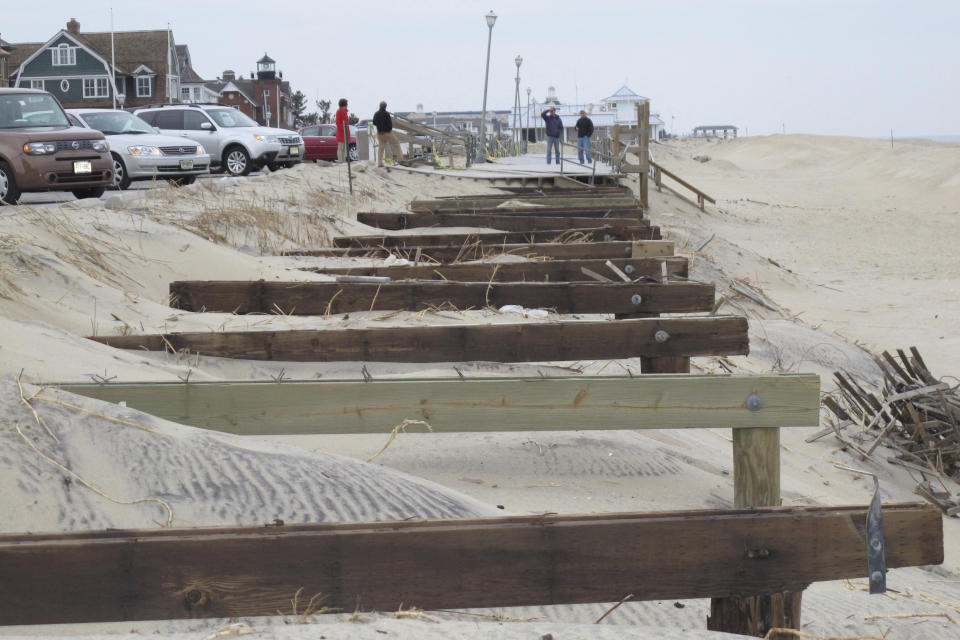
206,125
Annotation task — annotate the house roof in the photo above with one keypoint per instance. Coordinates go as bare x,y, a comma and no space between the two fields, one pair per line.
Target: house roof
187,74
625,92
131,48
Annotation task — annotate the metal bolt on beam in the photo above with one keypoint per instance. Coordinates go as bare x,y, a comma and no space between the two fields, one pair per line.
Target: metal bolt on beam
636,298
753,402
628,269
661,336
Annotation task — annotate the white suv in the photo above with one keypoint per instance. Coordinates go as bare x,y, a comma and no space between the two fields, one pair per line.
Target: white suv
235,143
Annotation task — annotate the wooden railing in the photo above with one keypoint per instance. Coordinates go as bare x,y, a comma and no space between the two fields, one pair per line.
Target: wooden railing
659,172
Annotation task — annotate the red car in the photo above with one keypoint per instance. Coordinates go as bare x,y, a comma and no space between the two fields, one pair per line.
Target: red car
320,142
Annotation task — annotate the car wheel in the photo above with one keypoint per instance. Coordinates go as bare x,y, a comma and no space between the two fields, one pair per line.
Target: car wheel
9,192
120,178
91,192
275,166
352,153
237,161
183,181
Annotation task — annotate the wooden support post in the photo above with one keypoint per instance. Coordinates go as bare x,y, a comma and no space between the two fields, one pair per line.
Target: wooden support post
616,148
756,483
643,121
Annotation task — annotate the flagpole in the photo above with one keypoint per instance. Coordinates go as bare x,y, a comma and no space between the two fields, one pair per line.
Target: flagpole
169,97
113,61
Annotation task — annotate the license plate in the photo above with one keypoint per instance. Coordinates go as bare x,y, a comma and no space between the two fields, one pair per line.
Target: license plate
82,166
186,164
294,151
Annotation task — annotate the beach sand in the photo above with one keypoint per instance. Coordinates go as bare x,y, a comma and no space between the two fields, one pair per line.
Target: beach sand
849,243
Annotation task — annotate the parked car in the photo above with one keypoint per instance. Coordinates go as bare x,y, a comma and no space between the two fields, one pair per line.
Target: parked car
41,151
236,144
320,142
139,152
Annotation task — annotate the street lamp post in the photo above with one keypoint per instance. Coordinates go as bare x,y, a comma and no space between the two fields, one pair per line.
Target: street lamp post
516,107
491,19
526,137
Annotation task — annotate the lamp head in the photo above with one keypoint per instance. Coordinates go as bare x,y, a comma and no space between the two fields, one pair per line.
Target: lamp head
519,61
491,18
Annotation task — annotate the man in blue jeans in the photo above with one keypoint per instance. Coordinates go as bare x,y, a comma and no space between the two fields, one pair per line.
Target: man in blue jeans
584,131
554,127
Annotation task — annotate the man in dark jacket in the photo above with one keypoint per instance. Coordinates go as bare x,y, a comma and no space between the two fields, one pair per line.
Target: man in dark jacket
384,124
584,131
554,129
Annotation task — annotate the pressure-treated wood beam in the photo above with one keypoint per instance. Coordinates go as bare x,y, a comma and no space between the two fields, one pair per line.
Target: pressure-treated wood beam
530,271
511,222
318,298
528,342
494,562
476,404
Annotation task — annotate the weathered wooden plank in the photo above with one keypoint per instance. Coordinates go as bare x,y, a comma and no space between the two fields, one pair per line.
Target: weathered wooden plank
491,238
316,298
475,404
478,251
512,222
531,271
494,562
528,342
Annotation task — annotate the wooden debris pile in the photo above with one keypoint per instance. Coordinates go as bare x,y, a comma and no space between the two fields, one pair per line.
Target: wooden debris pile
915,414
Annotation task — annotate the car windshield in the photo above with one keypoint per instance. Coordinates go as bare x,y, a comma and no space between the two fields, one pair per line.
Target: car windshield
114,122
231,117
23,110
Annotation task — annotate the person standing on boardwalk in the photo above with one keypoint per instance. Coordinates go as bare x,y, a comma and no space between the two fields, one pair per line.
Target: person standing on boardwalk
384,124
584,128
342,122
554,129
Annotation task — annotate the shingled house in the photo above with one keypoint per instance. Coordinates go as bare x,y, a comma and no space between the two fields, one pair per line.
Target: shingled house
75,67
5,48
193,88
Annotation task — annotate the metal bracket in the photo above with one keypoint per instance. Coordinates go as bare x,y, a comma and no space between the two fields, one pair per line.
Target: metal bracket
876,545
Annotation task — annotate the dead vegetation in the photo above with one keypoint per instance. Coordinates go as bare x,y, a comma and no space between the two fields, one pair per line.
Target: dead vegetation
913,413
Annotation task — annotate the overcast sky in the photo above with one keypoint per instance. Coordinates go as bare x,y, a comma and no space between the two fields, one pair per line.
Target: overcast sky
838,67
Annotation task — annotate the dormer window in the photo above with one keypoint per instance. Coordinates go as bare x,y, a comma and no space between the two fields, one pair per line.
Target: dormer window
64,55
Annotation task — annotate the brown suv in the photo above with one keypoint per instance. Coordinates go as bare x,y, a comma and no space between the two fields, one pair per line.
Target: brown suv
40,151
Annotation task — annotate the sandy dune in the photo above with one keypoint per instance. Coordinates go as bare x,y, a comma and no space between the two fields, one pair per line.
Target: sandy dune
848,242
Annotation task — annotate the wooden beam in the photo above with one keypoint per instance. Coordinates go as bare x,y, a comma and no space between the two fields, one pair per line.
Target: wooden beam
528,342
476,251
475,404
531,271
496,237
652,249
511,222
319,298
643,122
445,564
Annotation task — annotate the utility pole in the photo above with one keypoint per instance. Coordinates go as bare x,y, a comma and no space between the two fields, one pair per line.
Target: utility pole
491,19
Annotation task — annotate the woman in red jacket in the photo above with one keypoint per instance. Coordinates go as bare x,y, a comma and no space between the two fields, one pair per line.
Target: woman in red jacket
343,120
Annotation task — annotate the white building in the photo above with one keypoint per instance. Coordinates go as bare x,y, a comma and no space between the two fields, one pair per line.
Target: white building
620,108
